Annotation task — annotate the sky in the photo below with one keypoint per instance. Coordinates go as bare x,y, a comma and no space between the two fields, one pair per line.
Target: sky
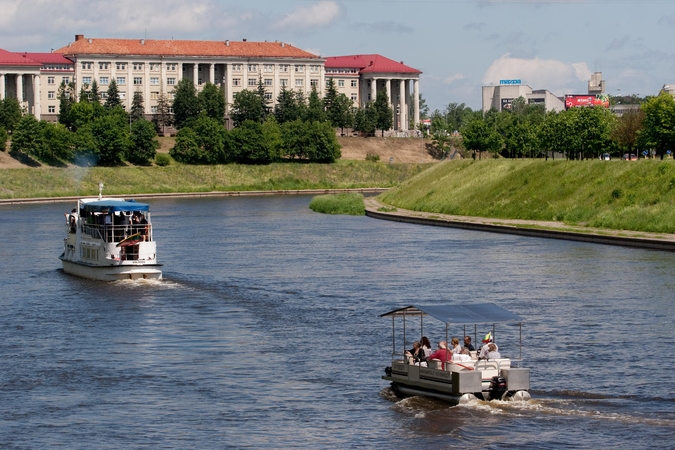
459,45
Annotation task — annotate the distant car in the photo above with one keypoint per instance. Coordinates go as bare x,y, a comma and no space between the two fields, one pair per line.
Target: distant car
605,157
631,157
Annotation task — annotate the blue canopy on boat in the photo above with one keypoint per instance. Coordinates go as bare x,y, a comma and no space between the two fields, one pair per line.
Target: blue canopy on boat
471,313
115,205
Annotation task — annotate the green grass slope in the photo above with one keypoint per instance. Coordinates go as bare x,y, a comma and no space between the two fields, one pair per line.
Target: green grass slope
74,181
348,203
623,195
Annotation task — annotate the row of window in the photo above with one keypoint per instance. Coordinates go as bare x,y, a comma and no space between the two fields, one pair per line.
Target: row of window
56,67
52,80
139,66
155,67
341,70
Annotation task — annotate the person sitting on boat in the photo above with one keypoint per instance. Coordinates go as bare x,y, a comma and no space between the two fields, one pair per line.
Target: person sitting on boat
465,355
467,343
483,350
71,220
416,355
426,346
442,353
492,352
454,346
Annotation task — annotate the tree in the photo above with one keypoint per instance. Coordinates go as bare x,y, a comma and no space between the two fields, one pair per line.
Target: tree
456,116
659,123
186,106
315,112
287,108
3,139
186,149
274,143
330,98
246,105
627,129
212,101
58,141
323,143
94,94
211,140
66,101
365,119
248,143
109,133
341,115
84,94
478,136
384,114
137,108
10,113
143,142
264,102
113,97
28,137
163,116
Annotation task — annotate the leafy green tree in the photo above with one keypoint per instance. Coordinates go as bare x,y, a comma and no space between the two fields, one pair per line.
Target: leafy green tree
66,102
330,98
478,136
94,94
163,117
110,138
81,114
658,131
524,140
295,139
274,143
186,105
627,129
456,116
186,149
58,142
340,115
323,143
113,96
3,139
248,143
287,108
264,102
211,140
385,114
365,119
10,113
28,137
84,94
246,105
315,112
143,142
137,108
212,101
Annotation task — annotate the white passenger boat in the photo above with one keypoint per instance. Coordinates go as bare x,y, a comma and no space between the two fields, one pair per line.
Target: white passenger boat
454,381
110,239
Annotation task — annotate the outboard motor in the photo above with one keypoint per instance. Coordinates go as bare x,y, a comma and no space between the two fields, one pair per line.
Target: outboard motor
387,371
497,388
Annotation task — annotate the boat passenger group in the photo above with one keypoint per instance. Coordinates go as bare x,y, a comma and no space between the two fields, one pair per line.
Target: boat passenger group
421,352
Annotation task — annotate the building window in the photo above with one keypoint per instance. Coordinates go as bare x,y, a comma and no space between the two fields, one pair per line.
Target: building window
51,95
314,82
103,95
268,82
236,81
268,96
153,109
299,82
138,66
236,67
138,81
121,66
315,69
154,95
123,95
328,82
121,81
171,66
268,68
103,66
50,80
355,83
355,97
341,83
86,80
86,65
171,95
252,67
103,81
170,81
284,67
170,110
154,67
66,80
283,82
299,69
252,82
51,109
154,81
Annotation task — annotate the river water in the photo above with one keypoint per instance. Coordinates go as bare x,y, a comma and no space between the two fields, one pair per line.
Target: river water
265,334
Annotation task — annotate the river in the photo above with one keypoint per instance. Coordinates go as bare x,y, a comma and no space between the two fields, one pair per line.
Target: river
264,333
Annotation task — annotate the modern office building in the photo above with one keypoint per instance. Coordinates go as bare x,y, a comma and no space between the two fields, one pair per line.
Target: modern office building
360,77
502,96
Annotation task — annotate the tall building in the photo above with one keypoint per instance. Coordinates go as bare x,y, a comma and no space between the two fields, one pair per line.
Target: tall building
360,77
502,96
20,79
596,85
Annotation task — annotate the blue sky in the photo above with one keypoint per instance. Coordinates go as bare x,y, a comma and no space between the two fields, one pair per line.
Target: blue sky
460,45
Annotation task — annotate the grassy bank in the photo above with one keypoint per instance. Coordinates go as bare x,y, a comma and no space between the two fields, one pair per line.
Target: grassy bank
620,195
349,204
75,181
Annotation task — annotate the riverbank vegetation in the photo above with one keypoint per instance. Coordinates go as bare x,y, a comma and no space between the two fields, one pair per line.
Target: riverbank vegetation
348,204
622,195
175,178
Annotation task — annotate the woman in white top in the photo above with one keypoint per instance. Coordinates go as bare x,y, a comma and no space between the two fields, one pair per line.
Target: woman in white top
454,346
465,355
426,346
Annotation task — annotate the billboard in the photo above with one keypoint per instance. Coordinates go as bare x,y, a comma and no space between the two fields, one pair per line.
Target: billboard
509,81
507,104
573,101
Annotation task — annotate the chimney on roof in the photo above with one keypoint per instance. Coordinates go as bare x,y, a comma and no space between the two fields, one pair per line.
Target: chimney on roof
227,43
283,44
142,41
401,62
89,40
244,40
78,37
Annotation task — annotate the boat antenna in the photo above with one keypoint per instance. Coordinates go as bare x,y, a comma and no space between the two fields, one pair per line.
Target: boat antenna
100,190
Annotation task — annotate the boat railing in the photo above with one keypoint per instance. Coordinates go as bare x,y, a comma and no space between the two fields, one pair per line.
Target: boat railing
116,233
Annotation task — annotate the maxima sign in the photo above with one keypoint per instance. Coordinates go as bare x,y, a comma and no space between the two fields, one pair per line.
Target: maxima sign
509,81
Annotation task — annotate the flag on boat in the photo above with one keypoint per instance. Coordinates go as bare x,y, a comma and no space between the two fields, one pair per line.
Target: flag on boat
130,240
488,337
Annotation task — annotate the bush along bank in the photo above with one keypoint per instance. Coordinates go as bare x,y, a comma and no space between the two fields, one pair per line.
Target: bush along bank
349,203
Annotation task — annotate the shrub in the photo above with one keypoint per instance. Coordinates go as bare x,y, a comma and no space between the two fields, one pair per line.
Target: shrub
144,142
372,157
162,159
349,203
3,139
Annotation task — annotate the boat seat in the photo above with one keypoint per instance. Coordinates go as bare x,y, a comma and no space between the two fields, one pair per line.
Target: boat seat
459,366
491,367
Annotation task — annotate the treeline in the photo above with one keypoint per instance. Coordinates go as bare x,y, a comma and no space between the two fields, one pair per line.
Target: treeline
527,130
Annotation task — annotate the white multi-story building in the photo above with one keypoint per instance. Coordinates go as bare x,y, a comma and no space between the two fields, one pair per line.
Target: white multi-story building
502,96
154,67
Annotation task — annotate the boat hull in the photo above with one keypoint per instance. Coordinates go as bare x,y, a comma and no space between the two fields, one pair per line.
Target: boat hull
113,273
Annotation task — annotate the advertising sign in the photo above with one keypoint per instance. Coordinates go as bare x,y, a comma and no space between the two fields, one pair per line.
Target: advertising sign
506,104
573,101
509,81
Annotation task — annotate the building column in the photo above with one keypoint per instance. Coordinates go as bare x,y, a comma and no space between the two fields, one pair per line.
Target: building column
212,73
407,104
388,85
2,86
195,74
36,97
401,106
229,98
416,93
373,89
19,88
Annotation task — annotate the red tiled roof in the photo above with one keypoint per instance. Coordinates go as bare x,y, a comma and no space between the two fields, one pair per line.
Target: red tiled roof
149,47
14,59
368,63
47,58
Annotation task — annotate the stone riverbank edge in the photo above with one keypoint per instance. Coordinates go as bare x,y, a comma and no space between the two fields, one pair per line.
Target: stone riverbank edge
531,228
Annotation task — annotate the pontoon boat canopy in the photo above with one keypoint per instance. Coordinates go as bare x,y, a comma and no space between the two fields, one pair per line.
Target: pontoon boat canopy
115,205
472,313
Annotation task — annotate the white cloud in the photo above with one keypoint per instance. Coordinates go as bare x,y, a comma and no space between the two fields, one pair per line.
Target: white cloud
452,78
307,17
556,76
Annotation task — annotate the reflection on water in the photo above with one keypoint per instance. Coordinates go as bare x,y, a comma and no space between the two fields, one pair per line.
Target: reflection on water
264,333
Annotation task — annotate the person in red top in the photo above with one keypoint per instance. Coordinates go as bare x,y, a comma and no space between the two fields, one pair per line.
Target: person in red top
442,353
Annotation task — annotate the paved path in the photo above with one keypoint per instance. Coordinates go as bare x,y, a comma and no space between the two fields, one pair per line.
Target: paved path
534,228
